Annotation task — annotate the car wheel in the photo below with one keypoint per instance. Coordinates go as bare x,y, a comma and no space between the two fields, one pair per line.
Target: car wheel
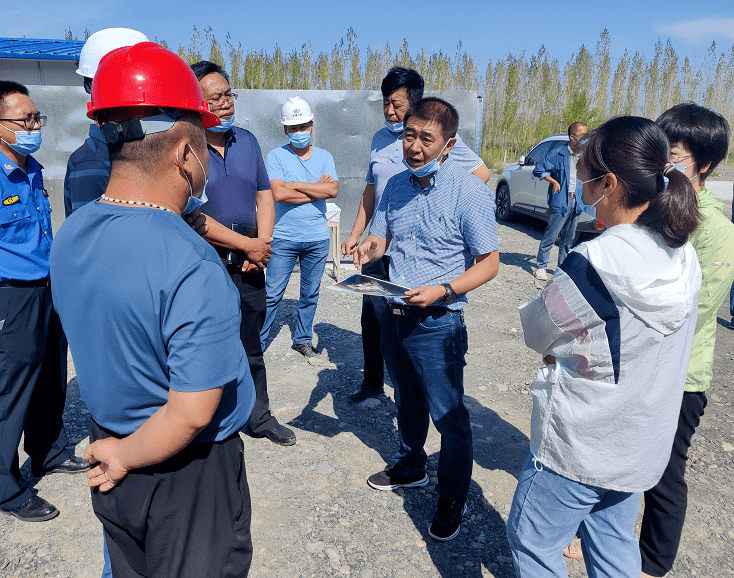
502,200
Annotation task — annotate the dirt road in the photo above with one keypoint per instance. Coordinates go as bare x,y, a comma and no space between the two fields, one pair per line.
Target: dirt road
313,513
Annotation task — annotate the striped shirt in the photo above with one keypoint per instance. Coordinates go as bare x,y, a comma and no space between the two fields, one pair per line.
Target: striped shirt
436,232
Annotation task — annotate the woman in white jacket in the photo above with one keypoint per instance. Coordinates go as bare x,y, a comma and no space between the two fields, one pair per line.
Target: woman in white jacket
614,327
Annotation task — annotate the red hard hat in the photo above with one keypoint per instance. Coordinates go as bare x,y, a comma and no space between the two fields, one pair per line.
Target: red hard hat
147,75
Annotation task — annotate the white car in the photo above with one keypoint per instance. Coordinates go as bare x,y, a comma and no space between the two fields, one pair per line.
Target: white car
518,191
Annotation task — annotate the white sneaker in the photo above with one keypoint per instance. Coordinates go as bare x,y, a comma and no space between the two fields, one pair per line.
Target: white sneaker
540,274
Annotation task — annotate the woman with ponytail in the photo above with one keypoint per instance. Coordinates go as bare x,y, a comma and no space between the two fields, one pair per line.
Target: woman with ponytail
614,327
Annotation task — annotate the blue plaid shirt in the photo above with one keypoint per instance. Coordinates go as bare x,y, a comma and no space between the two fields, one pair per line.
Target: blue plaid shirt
87,172
435,233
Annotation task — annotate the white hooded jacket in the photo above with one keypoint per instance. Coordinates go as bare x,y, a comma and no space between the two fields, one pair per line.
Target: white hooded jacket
619,318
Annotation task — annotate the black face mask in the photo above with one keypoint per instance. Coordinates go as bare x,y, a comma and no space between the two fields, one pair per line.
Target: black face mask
88,84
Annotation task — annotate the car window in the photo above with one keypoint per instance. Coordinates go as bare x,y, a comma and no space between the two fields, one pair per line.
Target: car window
538,153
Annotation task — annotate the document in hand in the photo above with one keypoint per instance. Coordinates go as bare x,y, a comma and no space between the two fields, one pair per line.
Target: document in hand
364,285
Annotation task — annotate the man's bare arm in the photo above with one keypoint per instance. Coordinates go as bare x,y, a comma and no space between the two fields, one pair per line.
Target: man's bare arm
484,269
164,434
364,216
482,173
283,193
265,214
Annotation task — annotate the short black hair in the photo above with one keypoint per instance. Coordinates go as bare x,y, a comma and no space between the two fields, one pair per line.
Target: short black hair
148,152
8,87
407,78
204,67
437,110
701,130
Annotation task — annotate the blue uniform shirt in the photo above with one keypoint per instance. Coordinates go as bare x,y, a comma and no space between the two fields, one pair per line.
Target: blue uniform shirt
148,307
25,222
306,222
386,159
87,172
235,179
436,232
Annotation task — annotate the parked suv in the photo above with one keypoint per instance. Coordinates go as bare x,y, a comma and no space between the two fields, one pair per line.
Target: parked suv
518,191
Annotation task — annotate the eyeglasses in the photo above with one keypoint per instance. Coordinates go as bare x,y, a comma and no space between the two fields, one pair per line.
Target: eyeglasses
675,157
29,122
222,101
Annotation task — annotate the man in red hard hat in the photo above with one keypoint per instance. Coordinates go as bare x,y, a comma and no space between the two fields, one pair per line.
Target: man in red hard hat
147,305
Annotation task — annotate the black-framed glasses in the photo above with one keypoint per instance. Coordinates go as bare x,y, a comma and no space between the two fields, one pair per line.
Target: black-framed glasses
30,122
222,101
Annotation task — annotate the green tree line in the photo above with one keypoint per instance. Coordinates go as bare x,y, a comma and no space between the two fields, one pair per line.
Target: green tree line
525,97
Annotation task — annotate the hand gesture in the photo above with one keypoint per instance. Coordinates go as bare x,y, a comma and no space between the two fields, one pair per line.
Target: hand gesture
108,471
425,295
325,179
364,253
258,253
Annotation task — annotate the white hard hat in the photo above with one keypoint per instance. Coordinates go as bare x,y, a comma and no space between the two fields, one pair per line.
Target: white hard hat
295,111
102,42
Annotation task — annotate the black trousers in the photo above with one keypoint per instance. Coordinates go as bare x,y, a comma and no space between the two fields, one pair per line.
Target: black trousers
32,387
665,504
372,309
252,305
186,517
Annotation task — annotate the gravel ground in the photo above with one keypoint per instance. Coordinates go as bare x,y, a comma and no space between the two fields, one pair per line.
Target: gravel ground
313,513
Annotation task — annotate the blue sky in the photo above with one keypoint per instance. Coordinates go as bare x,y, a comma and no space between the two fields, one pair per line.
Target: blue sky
487,29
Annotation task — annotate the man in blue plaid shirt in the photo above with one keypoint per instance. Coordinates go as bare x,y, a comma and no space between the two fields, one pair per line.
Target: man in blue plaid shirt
436,223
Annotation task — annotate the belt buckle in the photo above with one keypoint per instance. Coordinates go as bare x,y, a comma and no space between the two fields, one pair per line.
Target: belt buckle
396,310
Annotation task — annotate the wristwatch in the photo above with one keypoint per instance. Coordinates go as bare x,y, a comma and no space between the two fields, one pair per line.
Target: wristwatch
451,295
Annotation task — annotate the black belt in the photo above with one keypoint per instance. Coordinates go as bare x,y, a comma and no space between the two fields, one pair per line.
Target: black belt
18,283
416,311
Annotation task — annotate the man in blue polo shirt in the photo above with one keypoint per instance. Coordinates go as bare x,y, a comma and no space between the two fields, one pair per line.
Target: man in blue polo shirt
436,222
302,178
32,344
153,324
239,196
400,88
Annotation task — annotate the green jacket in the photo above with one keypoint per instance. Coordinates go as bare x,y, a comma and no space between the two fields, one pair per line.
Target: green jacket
714,244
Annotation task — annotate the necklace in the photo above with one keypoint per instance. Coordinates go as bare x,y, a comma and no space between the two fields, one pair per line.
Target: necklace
140,203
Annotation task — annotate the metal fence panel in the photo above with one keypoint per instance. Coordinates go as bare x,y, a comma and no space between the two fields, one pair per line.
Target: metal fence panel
344,124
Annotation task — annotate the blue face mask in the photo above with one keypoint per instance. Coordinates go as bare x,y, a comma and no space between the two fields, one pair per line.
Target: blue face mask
226,124
428,168
26,141
300,139
396,128
588,209
195,203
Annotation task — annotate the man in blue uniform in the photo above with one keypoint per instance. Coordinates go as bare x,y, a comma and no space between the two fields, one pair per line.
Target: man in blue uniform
153,324
401,87
436,223
32,344
240,199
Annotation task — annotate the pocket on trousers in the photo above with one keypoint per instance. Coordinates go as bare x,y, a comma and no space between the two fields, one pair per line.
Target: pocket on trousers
436,322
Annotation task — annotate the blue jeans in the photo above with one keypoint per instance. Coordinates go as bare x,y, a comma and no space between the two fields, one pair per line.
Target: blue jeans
548,509
424,355
107,569
312,256
558,223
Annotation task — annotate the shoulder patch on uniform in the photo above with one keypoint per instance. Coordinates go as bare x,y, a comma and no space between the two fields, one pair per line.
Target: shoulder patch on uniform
10,200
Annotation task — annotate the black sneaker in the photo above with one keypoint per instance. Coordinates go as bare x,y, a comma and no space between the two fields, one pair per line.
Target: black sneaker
305,349
391,479
446,522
